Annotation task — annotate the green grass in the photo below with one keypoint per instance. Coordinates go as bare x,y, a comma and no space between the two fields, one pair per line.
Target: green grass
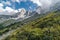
43,28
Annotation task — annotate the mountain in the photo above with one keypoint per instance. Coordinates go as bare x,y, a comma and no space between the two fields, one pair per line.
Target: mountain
20,16
53,7
24,17
7,25
30,15
23,14
43,28
13,14
35,25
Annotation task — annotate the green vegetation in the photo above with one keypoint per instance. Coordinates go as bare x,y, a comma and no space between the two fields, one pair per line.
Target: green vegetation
13,24
8,25
44,28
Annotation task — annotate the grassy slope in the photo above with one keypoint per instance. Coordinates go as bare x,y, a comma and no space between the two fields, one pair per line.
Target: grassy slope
12,24
45,28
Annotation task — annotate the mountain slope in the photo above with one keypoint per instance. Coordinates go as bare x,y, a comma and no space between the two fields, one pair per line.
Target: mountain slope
44,28
13,24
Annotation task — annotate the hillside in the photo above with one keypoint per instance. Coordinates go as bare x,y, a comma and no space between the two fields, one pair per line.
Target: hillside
44,28
9,25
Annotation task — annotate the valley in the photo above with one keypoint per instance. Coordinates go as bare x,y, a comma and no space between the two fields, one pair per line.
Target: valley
29,19
48,25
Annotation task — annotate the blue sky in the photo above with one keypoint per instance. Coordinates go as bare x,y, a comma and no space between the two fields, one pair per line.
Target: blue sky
17,4
9,6
28,5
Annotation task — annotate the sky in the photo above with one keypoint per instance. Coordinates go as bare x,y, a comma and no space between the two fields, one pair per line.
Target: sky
16,5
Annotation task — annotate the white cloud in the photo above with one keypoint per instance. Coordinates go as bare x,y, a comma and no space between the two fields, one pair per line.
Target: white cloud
16,11
55,1
43,3
37,2
46,2
19,10
1,5
15,1
23,0
9,9
18,1
6,3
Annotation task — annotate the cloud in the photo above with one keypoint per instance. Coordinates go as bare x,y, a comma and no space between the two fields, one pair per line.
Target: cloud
9,9
37,2
18,1
45,3
19,10
6,3
1,4
1,7
15,1
55,1
42,2
16,11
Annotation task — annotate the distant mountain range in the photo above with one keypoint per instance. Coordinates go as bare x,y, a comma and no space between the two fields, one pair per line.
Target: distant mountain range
23,14
37,27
